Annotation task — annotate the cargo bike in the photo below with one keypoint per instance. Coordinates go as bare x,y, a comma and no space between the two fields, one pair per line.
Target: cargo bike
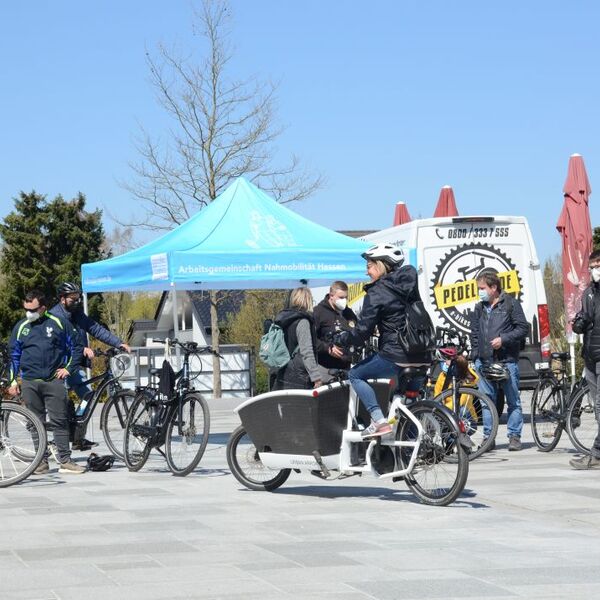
319,431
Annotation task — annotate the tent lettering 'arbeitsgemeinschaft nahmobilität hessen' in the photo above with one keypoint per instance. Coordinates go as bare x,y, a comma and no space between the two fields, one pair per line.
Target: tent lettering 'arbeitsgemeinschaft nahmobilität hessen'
242,240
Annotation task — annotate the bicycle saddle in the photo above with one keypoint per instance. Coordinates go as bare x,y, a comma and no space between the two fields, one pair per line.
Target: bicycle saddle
153,371
409,372
560,356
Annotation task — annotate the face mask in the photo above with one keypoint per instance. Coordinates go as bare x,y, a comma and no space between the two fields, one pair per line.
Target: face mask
32,315
73,306
596,274
341,303
484,296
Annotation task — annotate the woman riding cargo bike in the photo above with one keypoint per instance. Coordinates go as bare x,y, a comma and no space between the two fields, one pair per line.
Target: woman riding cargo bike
318,430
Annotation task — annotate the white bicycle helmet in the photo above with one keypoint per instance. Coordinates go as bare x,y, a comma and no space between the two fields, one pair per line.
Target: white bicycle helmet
387,253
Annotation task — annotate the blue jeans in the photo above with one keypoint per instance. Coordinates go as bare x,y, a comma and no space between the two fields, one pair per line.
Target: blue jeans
373,367
75,383
511,393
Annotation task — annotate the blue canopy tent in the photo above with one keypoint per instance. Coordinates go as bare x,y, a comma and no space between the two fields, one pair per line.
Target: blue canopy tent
242,240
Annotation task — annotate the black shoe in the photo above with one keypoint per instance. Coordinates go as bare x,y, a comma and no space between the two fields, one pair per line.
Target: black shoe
84,445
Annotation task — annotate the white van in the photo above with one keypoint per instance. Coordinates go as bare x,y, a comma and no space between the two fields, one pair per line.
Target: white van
449,253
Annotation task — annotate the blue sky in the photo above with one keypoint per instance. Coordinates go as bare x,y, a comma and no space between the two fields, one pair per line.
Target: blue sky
390,100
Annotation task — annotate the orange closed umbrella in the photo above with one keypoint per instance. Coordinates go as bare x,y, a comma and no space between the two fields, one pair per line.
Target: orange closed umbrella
575,229
446,206
401,215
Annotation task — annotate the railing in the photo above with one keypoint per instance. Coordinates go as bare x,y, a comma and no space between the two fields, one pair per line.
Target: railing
238,369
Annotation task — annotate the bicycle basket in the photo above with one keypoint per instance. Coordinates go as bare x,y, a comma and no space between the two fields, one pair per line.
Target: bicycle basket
120,364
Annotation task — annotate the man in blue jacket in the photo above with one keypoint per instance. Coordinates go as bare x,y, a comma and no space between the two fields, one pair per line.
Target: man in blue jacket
498,327
69,308
44,351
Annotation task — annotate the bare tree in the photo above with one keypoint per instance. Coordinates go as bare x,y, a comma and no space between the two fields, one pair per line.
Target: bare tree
222,129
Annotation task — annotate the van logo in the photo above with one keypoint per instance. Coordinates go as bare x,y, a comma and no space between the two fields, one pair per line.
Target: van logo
454,288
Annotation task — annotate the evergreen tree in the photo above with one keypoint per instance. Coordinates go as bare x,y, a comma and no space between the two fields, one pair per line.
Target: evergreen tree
44,243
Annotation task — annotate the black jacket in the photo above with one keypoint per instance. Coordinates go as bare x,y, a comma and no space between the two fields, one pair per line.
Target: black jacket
384,306
507,321
84,325
590,309
39,349
327,322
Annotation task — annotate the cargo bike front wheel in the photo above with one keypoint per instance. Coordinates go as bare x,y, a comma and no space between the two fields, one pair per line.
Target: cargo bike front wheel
246,466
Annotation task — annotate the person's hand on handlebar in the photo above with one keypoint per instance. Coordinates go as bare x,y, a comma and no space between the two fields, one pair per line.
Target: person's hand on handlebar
125,348
88,353
14,390
317,383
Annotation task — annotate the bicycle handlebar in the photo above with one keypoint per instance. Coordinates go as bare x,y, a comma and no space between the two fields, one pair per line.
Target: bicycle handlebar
190,347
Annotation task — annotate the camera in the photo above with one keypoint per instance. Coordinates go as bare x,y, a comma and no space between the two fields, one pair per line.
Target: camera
581,323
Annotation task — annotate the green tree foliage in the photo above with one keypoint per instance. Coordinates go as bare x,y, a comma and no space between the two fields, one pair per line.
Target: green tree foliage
119,309
43,243
246,327
596,238
553,283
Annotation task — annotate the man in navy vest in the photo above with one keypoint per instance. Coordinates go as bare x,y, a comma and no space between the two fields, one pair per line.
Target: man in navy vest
44,351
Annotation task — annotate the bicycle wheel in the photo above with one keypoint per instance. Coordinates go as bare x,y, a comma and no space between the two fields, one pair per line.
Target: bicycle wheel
474,408
136,444
23,443
113,420
184,450
246,466
582,426
440,472
546,414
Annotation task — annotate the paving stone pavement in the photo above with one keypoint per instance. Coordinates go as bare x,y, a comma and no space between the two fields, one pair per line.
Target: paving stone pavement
527,526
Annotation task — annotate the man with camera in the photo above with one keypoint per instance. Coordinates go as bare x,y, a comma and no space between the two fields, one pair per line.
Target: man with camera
331,316
587,322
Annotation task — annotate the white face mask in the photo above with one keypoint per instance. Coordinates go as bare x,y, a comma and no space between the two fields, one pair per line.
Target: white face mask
595,274
32,315
341,303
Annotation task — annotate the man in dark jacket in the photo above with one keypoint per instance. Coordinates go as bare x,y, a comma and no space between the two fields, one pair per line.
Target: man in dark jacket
331,316
69,309
44,351
498,326
587,321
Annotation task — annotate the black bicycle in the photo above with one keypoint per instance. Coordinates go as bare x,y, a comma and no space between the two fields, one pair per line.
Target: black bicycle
556,407
179,420
115,401
23,438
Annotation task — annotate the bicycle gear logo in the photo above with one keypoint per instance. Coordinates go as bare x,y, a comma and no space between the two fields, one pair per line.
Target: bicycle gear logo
454,281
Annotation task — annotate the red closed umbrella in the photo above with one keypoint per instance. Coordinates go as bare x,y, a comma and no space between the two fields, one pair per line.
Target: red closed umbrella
446,206
401,215
575,229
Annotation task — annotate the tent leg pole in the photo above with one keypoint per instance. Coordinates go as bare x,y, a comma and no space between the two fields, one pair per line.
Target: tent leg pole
176,324
88,371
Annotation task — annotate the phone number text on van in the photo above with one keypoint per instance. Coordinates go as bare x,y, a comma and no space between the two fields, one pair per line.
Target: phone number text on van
478,232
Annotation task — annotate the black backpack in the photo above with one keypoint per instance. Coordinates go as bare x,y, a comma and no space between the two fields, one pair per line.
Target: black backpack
416,334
